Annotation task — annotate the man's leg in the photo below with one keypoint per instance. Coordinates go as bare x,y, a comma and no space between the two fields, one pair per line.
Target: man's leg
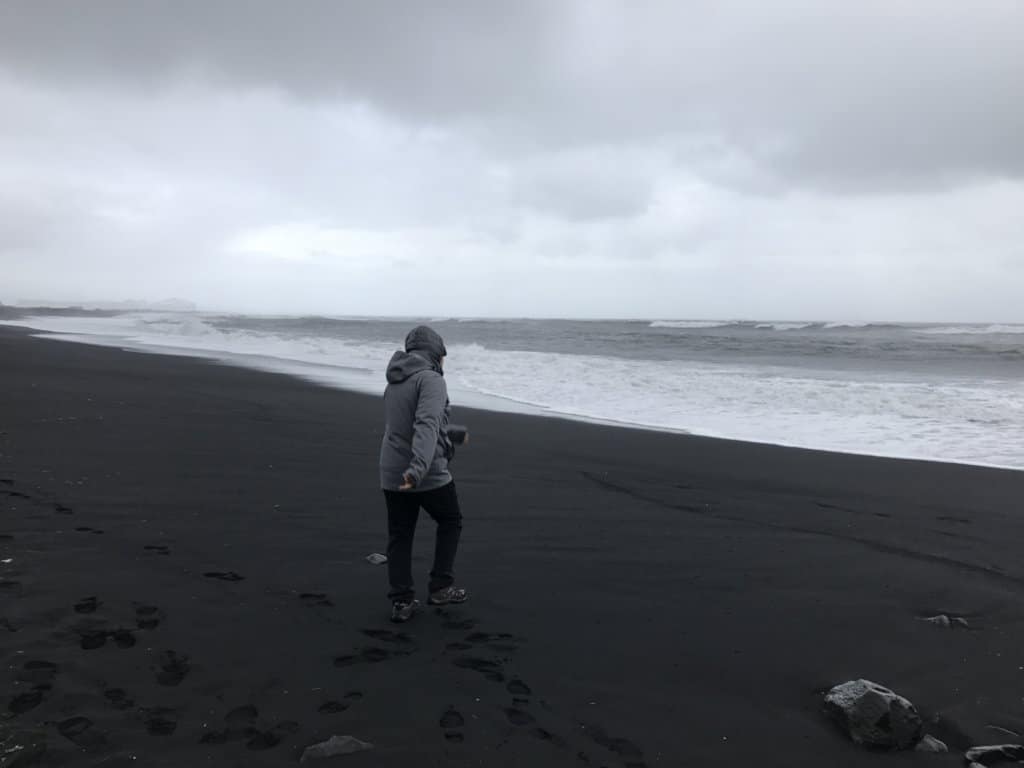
403,509
442,504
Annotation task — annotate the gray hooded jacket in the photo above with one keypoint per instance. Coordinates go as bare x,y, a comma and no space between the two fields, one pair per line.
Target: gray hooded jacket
416,412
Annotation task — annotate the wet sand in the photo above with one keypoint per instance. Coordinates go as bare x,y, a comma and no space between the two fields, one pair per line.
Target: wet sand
188,584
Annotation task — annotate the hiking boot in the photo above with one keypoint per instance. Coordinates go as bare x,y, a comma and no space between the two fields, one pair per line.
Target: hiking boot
447,595
401,611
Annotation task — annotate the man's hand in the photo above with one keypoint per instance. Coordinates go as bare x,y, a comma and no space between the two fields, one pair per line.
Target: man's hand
408,482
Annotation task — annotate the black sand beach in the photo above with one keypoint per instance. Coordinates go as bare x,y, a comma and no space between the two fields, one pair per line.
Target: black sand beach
188,584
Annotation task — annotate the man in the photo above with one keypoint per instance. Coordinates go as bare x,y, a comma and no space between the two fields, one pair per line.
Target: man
418,444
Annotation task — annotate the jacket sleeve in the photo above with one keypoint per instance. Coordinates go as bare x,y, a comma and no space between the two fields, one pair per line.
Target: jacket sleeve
433,394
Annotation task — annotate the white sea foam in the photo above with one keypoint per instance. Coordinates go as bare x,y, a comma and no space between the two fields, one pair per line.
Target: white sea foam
689,324
973,330
784,326
968,420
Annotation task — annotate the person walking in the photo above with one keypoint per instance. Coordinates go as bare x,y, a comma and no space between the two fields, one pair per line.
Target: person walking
418,444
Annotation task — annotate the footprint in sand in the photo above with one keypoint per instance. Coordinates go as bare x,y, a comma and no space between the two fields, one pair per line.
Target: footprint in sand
26,701
171,668
241,725
6,623
271,738
545,735
388,636
79,731
6,537
224,575
490,669
40,674
452,723
87,605
160,549
518,688
118,698
61,509
90,640
518,716
369,656
87,529
458,646
316,600
148,616
92,637
9,584
496,641
337,707
624,748
96,638
332,707
160,721
123,638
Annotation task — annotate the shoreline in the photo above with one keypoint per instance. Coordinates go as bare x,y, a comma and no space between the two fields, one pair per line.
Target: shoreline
304,371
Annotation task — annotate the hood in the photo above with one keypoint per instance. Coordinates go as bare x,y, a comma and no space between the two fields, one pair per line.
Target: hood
428,342
406,364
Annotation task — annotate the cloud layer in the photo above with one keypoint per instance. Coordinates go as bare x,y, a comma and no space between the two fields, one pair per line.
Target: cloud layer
786,159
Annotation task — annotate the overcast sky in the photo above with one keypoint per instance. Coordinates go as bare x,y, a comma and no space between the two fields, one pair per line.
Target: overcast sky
822,159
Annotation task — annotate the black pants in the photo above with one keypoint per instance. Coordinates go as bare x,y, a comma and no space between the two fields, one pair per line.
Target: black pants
442,504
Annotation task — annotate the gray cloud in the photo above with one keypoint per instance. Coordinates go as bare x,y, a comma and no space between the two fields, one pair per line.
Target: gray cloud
810,159
848,96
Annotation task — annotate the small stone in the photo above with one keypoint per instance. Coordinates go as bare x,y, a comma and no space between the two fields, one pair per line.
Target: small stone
931,744
336,745
947,622
376,558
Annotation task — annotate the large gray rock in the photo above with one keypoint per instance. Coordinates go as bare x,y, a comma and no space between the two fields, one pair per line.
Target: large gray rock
874,716
995,755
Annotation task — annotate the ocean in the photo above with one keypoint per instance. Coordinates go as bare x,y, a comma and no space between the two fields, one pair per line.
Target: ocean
950,392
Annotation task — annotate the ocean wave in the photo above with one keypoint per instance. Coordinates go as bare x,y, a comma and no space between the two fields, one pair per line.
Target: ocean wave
785,326
175,325
690,324
995,329
775,325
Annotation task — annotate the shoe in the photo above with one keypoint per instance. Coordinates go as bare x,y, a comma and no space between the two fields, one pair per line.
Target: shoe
447,595
401,611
